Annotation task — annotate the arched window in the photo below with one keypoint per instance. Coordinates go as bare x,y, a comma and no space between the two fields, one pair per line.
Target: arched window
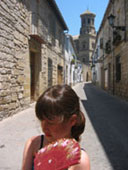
88,20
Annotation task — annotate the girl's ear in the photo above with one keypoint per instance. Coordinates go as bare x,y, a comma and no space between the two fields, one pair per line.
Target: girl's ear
73,120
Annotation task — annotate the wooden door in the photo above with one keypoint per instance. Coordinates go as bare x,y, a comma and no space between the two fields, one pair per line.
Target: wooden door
60,76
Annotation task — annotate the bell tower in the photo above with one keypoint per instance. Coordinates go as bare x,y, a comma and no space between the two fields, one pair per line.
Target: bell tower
87,36
85,42
87,23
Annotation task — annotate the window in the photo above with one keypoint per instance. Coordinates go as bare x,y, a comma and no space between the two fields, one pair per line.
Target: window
84,45
66,43
83,21
118,69
101,43
93,45
88,20
108,47
83,60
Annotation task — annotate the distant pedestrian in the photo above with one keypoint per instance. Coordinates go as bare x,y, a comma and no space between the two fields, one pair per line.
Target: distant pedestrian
58,110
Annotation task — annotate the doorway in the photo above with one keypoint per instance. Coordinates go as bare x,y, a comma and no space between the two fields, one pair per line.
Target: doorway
50,72
32,75
60,74
106,79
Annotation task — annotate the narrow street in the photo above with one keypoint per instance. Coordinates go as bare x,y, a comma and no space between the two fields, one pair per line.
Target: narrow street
108,116
105,138
78,43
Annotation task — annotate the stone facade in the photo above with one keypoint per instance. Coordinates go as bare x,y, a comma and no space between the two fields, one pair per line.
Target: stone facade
85,42
31,52
14,29
114,49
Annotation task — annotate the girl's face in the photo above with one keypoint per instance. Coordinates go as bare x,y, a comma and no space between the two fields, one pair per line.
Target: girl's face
57,128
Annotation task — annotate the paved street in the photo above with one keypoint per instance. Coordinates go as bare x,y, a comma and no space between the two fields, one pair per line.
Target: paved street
105,138
108,116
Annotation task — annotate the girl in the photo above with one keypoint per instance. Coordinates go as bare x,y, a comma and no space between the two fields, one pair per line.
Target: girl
58,110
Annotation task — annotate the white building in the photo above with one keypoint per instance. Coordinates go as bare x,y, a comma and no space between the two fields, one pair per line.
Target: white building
98,57
73,68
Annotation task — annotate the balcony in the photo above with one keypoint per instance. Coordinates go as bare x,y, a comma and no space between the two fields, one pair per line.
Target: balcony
108,47
37,28
116,38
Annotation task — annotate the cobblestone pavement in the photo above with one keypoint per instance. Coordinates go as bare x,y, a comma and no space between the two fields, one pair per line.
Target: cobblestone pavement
105,138
107,134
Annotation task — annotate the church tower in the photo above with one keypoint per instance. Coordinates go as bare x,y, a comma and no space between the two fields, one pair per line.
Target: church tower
87,37
85,42
87,23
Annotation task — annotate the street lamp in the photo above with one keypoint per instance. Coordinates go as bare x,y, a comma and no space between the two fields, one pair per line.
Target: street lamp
111,20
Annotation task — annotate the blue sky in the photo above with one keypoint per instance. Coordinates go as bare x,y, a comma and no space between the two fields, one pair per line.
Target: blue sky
71,10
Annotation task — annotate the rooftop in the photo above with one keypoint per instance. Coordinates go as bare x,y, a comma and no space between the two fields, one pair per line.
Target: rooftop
87,12
54,6
75,37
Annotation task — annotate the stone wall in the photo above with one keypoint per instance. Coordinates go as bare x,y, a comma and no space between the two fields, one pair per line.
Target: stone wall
19,37
117,87
13,50
121,87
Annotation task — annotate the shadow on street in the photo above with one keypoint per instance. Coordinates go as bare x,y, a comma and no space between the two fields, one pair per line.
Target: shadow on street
109,117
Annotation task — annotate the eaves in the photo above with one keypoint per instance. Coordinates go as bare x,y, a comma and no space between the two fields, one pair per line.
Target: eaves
57,12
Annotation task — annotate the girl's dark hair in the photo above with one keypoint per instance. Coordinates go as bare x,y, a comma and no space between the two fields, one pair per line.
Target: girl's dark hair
61,100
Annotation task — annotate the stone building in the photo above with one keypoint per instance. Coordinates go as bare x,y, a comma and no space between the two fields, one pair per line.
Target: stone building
31,51
111,57
85,42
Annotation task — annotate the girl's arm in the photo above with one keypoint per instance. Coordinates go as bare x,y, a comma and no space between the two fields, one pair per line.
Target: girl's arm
28,154
84,162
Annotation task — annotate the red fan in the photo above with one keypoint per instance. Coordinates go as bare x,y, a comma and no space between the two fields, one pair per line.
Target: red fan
58,155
